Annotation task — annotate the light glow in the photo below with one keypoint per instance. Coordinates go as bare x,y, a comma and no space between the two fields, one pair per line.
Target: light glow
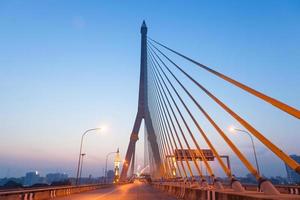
104,128
231,128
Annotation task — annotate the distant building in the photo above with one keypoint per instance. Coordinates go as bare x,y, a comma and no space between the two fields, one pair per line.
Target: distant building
56,177
293,177
110,175
278,180
249,179
32,178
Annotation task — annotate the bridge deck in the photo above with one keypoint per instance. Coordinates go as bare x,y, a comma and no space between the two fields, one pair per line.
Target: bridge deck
134,191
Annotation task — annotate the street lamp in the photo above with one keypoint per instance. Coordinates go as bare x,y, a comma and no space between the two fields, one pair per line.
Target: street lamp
106,164
82,155
80,151
232,129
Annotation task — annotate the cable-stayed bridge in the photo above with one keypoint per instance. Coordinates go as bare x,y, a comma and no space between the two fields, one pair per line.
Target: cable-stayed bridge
179,150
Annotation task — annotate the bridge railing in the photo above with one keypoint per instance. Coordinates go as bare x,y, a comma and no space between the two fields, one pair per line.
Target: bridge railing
283,189
48,192
193,190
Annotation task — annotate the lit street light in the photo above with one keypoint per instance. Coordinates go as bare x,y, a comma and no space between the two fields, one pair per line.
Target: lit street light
232,129
106,164
80,151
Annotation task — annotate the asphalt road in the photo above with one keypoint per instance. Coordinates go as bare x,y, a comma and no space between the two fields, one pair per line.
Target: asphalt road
134,191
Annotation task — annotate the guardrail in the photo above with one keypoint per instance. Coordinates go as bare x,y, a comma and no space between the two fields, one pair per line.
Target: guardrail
48,192
194,192
284,189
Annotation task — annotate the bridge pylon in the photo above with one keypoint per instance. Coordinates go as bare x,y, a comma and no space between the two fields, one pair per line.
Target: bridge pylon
142,114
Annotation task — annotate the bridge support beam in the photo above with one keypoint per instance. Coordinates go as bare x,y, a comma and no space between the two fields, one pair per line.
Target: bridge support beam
143,113
267,187
237,186
218,185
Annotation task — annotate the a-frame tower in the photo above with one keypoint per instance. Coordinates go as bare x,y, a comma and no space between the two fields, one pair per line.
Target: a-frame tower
142,113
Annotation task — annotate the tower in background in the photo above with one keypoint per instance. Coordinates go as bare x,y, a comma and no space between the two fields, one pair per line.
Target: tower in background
292,175
117,162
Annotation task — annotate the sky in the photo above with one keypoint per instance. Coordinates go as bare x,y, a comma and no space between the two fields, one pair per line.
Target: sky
67,66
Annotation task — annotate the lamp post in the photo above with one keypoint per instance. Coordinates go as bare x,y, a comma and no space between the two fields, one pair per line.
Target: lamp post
253,146
82,155
106,164
80,151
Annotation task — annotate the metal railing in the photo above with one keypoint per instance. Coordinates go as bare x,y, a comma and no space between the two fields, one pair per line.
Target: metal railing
190,190
283,189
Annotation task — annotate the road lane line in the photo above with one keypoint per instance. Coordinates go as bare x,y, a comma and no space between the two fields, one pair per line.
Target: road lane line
103,195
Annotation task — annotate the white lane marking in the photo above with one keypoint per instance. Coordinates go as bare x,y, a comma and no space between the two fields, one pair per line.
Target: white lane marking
103,195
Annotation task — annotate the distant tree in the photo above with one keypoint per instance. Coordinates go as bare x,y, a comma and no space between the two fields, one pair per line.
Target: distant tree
39,185
12,184
61,183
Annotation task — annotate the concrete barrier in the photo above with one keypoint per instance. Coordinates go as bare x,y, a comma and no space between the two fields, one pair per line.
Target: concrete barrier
48,193
10,197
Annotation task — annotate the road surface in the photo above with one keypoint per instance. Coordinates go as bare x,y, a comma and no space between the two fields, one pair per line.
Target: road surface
134,191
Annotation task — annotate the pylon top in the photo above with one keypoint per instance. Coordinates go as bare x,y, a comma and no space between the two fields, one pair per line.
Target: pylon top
144,28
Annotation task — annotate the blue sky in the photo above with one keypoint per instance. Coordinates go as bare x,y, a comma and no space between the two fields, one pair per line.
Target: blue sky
66,66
